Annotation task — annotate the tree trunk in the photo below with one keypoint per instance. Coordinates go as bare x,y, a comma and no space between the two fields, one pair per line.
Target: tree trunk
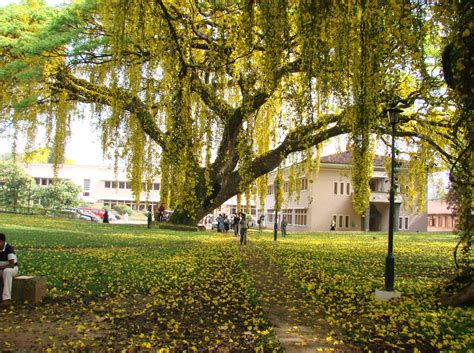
464,297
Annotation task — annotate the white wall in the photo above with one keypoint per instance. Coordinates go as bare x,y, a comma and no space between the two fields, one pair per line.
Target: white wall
97,175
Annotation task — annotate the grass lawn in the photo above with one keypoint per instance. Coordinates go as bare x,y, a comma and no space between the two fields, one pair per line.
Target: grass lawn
124,286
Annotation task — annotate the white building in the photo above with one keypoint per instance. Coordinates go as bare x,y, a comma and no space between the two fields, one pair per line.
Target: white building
100,185
329,197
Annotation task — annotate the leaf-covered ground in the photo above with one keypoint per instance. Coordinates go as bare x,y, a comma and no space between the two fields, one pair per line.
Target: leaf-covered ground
125,287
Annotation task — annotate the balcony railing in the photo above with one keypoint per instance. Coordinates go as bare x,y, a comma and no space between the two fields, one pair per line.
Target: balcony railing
383,197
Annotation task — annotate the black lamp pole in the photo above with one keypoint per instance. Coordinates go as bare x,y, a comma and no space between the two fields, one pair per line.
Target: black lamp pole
275,226
393,115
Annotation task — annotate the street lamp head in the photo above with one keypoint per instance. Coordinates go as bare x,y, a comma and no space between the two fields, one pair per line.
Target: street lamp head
394,115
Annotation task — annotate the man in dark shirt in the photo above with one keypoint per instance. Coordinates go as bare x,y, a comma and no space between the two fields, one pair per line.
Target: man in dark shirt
8,268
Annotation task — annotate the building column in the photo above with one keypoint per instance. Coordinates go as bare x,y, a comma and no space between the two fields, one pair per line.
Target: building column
366,220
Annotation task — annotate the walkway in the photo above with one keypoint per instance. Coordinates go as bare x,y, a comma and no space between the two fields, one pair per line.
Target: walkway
298,328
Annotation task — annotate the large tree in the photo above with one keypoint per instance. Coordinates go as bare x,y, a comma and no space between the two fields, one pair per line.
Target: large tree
213,95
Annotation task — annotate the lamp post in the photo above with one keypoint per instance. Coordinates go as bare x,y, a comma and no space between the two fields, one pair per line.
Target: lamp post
393,115
275,226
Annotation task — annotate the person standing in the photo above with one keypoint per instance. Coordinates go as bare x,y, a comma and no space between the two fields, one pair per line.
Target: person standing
106,217
161,213
333,225
8,269
236,224
243,229
260,224
226,223
283,225
149,217
220,223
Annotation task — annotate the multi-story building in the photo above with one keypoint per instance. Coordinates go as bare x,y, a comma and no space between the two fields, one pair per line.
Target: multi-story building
100,184
329,197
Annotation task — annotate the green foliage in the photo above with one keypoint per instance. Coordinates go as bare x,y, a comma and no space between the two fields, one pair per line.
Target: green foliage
181,217
60,194
122,209
16,187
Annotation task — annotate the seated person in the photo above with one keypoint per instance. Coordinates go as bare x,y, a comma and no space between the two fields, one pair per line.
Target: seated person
8,268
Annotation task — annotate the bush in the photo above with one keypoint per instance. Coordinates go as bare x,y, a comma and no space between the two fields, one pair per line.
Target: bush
122,209
179,227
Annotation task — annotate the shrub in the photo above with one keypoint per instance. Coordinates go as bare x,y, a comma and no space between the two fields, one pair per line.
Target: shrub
122,209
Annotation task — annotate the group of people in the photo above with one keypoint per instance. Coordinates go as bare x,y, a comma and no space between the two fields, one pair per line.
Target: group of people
240,222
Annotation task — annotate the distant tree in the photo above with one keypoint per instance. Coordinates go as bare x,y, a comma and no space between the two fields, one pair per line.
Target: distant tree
16,187
62,194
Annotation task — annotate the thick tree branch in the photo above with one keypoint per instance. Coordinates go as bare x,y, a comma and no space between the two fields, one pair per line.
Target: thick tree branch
297,140
428,139
88,92
209,97
174,34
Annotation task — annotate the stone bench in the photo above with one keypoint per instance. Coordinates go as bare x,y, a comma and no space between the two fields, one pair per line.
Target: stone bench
28,288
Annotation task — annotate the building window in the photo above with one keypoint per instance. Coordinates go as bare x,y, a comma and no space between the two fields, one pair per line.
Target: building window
107,185
114,185
44,182
128,185
448,222
270,215
253,210
341,189
341,218
156,186
348,188
301,217
440,221
335,188
270,189
286,186
402,223
304,183
347,222
288,215
431,221
87,187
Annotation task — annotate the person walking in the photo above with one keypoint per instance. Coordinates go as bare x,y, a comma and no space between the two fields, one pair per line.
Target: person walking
243,228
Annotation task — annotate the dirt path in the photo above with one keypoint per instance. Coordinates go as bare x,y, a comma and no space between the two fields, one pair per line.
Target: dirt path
296,324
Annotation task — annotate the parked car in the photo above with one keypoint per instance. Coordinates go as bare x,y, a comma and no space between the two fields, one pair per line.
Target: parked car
87,215
97,211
